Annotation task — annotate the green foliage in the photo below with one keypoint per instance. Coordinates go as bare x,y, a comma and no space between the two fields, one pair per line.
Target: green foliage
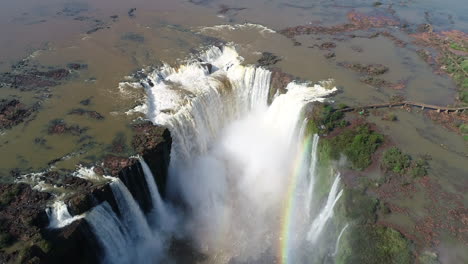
358,145
464,128
395,160
331,119
371,244
458,46
419,168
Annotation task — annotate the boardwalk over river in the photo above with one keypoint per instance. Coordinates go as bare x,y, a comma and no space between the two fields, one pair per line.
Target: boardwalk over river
406,104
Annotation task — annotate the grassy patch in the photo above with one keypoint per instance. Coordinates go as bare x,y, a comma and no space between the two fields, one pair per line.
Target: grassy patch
357,144
395,160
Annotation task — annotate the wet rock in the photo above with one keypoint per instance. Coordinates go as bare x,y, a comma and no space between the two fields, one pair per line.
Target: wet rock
154,143
13,112
369,69
89,113
328,45
131,12
268,59
135,37
77,66
95,29
329,55
279,81
114,164
224,9
29,80
86,101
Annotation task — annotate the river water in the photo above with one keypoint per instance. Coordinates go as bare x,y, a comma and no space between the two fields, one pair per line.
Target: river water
115,42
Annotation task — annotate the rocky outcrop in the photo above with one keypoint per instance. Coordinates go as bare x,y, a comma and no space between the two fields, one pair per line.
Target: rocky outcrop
13,112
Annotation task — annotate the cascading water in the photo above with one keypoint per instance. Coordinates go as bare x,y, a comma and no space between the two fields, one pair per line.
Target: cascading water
244,170
59,216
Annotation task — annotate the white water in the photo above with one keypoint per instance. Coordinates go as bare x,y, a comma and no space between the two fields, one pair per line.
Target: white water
312,172
128,238
327,212
162,216
338,239
59,216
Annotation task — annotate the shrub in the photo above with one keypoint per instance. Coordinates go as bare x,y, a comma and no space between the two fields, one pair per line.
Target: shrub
419,168
376,244
358,145
395,160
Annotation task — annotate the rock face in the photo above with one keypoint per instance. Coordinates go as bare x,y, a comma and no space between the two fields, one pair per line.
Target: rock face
24,222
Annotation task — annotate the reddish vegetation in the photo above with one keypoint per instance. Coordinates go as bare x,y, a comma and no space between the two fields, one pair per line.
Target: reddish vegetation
12,113
357,21
450,121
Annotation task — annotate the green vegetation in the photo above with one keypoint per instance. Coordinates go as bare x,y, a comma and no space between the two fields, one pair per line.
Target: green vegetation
326,119
398,162
357,144
458,46
395,160
457,67
366,244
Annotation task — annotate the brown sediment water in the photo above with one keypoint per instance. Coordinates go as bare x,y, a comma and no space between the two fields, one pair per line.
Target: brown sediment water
115,44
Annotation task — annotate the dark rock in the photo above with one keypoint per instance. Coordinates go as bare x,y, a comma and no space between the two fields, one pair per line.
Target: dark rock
370,69
77,66
75,242
328,45
268,59
224,9
94,30
86,101
135,37
279,81
131,12
114,164
89,113
33,79
154,143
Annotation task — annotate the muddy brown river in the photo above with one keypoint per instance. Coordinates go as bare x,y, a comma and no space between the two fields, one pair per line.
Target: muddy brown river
86,114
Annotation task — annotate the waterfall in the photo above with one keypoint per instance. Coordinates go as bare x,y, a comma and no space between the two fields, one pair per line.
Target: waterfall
338,240
128,238
160,213
312,171
131,214
326,213
59,216
233,157
111,234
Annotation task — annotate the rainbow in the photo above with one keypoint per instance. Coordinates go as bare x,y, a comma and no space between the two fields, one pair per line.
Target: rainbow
287,215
